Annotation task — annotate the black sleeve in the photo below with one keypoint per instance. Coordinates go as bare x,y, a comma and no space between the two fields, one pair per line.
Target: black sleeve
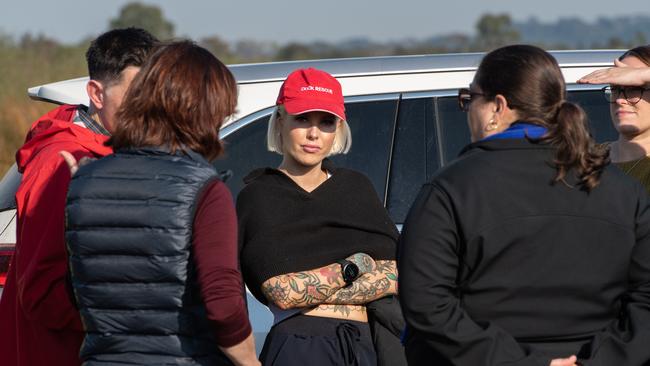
626,341
427,266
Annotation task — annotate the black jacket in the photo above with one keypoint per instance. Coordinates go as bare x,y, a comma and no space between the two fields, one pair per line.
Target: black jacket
499,266
129,231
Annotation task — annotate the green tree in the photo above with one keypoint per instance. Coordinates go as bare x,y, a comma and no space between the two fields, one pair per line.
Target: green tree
220,48
495,30
148,17
294,51
639,39
616,42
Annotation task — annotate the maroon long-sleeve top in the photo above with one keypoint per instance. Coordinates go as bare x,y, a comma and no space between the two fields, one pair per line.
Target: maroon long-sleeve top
216,260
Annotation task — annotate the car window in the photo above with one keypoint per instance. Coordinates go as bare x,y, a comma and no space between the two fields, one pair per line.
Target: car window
245,150
597,108
415,150
371,123
454,132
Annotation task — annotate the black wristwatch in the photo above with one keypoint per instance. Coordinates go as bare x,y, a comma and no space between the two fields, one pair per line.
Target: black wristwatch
349,270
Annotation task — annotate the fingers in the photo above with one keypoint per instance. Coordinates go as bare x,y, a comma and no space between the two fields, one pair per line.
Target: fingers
587,79
595,77
70,161
570,361
602,76
85,160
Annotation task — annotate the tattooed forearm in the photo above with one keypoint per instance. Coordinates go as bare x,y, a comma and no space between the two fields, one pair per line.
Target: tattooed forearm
371,286
302,289
365,262
325,285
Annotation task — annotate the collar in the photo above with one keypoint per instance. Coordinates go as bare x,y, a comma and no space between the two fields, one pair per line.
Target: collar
520,130
500,144
89,122
327,165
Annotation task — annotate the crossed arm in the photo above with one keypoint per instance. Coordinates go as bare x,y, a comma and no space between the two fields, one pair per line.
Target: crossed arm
325,285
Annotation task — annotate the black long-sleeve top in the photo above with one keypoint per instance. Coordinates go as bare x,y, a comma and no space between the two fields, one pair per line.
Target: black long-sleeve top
285,229
498,266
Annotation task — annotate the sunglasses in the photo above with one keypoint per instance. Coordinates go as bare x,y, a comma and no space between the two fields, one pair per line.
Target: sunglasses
465,98
632,94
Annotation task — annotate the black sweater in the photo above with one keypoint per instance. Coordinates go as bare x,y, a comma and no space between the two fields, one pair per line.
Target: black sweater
284,229
499,266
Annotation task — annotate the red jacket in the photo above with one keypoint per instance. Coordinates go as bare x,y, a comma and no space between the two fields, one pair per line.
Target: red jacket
39,324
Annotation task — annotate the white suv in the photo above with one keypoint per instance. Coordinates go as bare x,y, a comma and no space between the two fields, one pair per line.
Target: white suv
402,111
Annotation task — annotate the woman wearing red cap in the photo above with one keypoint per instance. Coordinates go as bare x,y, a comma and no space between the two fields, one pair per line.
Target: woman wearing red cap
316,243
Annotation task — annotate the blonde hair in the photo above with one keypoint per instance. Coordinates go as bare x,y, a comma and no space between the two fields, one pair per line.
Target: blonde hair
341,145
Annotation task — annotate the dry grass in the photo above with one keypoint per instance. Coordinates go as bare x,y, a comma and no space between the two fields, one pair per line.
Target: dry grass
29,63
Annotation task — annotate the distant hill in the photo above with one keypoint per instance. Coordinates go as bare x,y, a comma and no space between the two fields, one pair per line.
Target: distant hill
576,33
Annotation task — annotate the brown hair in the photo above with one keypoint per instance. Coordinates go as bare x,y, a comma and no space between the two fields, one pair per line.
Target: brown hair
179,100
532,83
640,52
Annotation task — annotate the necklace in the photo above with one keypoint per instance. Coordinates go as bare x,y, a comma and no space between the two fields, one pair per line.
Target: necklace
627,171
636,162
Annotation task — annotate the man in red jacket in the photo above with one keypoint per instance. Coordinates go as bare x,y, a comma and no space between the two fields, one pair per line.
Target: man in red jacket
39,324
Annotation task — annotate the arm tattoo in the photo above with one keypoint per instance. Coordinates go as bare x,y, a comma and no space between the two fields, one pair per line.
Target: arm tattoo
365,263
303,289
325,286
368,287
343,309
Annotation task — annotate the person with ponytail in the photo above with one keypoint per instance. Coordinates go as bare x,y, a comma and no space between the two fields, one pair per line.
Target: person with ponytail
629,98
529,249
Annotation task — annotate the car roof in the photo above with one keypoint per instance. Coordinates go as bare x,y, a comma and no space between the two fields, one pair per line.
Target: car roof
362,66
73,91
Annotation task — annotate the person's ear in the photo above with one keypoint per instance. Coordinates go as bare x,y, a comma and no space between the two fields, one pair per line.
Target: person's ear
502,111
500,103
95,90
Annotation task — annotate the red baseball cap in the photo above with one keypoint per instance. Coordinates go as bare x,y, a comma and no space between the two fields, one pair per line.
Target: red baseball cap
308,90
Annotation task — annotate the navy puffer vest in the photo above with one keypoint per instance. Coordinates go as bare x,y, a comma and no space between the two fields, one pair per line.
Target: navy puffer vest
129,231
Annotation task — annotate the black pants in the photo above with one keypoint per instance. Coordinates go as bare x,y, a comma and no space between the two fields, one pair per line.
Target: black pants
316,341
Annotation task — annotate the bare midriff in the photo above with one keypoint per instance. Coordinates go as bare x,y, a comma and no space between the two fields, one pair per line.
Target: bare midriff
345,312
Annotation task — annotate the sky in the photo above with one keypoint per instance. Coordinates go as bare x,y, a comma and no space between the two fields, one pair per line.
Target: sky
282,21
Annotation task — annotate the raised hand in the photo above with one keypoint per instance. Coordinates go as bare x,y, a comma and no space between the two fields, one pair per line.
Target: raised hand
621,74
365,262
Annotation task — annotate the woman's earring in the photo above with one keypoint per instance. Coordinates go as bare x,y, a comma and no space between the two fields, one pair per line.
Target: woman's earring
492,125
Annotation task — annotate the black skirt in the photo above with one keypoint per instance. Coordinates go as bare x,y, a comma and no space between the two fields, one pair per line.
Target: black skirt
317,341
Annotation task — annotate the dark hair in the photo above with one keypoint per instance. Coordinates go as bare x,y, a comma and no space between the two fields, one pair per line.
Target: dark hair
532,83
640,52
179,100
112,52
